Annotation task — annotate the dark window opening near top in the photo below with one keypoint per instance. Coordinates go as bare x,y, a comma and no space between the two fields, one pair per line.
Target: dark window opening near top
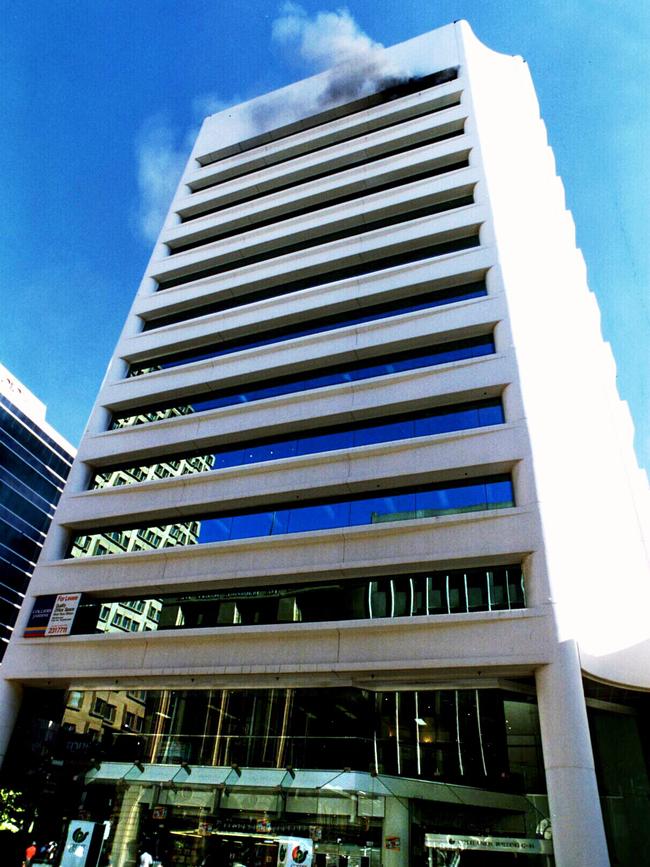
453,199
324,201
394,90
340,373
332,272
422,301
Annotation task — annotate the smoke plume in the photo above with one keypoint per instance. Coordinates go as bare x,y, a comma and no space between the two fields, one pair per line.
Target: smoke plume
356,66
333,40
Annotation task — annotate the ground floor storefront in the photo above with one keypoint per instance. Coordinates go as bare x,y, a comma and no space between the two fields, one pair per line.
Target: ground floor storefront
229,817
330,777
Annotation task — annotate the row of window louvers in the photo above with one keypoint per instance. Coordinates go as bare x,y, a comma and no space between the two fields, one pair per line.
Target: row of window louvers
448,200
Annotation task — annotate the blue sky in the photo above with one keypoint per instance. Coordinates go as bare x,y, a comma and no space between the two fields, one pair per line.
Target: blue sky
100,101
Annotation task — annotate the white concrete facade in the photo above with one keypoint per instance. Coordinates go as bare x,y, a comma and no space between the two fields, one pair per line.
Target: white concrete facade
566,442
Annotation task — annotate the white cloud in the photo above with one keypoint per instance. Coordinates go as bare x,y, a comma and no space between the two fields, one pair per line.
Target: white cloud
160,161
333,40
326,40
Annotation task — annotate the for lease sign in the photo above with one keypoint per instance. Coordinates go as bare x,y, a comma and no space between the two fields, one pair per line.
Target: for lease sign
52,615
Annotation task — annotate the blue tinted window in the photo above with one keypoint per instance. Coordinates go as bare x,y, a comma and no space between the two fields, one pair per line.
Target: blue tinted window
491,413
233,458
320,517
274,451
351,372
374,312
494,492
459,419
382,433
324,442
421,423
247,526
216,529
499,493
452,499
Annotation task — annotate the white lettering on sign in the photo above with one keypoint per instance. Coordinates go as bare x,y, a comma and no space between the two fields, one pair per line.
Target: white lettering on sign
458,842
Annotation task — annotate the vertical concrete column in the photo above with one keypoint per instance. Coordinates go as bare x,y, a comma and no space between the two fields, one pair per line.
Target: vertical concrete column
125,841
576,817
11,695
396,824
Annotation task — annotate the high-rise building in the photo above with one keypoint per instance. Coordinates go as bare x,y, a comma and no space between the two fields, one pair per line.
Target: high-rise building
397,579
34,464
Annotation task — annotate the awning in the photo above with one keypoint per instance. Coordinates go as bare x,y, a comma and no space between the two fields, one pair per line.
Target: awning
342,782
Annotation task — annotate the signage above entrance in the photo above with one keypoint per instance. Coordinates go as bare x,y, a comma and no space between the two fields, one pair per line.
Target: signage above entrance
459,842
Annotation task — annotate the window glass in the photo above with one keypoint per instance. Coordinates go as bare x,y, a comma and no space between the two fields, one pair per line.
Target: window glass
514,580
499,494
229,458
445,422
379,598
375,510
216,529
75,699
246,526
435,593
491,413
421,423
327,323
272,451
435,598
353,371
477,591
306,445
386,432
322,517
455,593
395,506
452,499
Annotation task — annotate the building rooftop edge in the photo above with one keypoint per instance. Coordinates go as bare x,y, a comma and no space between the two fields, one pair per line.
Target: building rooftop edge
419,56
26,402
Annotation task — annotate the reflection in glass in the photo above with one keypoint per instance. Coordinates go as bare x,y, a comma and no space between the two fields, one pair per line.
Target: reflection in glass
447,735
473,347
456,591
424,301
493,492
327,438
136,616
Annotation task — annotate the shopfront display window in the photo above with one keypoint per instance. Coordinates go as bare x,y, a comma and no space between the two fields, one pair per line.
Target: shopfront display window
345,777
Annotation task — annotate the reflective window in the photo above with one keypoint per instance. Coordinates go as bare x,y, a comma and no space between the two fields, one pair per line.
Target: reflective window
352,371
325,200
457,198
378,311
249,295
467,736
494,492
433,593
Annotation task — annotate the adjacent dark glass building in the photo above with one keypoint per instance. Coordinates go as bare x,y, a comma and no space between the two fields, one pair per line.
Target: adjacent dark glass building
34,464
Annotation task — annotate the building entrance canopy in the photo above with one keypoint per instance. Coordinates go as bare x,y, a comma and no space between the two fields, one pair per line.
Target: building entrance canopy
325,782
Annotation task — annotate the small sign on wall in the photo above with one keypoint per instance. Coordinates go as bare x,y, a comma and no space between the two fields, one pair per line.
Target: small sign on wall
52,615
394,843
